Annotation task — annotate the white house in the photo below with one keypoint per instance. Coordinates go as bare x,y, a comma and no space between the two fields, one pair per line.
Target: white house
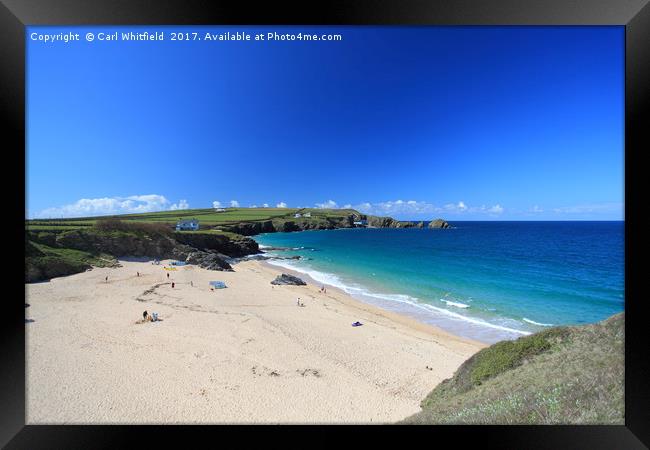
187,225
219,209
307,215
297,215
361,223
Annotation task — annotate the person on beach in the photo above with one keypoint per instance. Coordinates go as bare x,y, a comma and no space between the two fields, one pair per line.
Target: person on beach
191,284
138,274
172,284
144,315
167,275
106,278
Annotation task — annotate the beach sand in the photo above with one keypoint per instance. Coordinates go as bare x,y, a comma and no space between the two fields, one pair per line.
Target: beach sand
244,354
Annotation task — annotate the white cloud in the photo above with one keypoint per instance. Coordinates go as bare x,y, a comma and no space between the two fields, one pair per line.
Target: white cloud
397,207
181,205
134,204
412,208
347,206
234,204
330,204
253,206
265,205
216,204
536,209
594,208
281,205
496,209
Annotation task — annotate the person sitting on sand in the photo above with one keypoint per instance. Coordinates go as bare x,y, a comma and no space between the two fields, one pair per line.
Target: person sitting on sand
144,315
172,284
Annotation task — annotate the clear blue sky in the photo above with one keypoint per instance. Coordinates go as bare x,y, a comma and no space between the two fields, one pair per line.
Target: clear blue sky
476,123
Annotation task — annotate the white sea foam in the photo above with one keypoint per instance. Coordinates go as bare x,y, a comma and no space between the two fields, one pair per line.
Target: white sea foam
355,290
537,323
456,304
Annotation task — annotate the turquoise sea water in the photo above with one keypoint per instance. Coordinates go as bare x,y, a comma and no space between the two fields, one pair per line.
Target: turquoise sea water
485,280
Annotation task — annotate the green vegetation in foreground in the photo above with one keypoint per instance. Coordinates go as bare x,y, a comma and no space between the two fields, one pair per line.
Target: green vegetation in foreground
208,217
45,262
564,375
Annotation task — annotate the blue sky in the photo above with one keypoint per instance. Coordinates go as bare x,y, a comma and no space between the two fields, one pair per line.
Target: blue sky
475,123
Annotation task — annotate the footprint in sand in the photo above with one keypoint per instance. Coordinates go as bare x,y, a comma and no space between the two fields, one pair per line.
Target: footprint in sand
264,371
309,372
200,354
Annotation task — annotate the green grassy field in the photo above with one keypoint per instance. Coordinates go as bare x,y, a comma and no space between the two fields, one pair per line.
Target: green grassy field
208,218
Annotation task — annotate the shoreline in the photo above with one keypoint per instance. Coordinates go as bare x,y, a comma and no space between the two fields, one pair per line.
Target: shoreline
244,354
373,309
452,323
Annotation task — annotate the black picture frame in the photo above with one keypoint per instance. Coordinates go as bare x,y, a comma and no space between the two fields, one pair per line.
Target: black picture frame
634,15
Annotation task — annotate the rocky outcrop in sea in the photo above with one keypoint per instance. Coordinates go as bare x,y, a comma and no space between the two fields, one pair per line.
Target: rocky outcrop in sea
438,223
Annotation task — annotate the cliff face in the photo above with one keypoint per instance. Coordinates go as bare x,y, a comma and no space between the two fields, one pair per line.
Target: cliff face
45,267
298,224
389,222
381,222
324,223
231,246
177,245
118,243
50,255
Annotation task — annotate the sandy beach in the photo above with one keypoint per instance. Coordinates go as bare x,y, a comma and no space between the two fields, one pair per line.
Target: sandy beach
244,354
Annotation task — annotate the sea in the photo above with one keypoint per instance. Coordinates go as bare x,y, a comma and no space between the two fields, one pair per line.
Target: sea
487,281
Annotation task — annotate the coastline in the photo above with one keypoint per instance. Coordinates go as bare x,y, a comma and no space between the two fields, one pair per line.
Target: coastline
454,324
244,354
353,302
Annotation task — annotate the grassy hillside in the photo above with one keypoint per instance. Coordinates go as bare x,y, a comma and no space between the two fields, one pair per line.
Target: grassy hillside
44,262
564,375
208,218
